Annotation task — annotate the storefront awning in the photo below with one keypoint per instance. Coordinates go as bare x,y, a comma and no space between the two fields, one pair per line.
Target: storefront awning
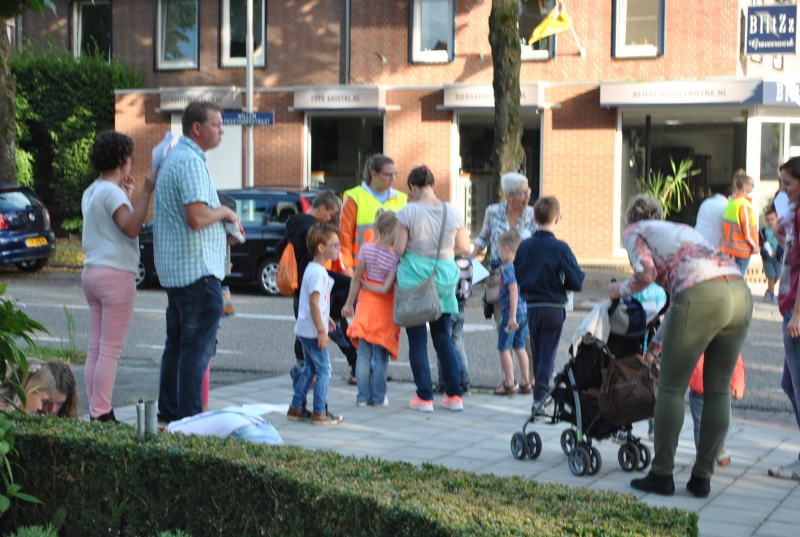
681,93
481,97
340,98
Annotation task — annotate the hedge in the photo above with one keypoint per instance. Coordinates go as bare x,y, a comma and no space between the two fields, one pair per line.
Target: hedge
110,483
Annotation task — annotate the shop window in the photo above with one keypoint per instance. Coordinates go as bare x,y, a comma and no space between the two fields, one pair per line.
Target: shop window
531,14
234,33
177,34
92,28
432,31
638,28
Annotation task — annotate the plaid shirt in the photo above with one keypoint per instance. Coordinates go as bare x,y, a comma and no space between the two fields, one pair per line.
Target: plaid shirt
183,255
495,223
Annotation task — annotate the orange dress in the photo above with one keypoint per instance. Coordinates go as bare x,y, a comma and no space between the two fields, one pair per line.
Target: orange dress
374,321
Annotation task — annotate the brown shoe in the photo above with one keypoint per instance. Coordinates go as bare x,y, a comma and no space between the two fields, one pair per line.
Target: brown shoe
298,414
352,381
505,390
325,419
525,388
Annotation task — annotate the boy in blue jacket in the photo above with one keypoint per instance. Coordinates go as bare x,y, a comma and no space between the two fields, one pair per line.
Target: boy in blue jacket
546,269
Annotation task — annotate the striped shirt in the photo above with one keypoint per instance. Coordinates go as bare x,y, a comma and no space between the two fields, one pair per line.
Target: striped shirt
380,262
183,255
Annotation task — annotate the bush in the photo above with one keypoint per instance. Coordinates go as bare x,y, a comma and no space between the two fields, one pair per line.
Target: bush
111,483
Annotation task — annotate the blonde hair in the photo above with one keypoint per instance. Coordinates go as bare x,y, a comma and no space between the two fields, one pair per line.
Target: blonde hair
510,239
385,222
643,207
40,381
740,177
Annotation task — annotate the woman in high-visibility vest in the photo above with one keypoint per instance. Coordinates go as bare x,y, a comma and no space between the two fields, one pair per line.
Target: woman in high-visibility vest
739,236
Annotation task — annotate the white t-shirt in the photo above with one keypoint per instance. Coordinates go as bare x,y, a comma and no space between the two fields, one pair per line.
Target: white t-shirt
709,218
105,245
215,422
315,279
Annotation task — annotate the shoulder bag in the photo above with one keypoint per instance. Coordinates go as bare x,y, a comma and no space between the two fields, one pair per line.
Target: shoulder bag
420,304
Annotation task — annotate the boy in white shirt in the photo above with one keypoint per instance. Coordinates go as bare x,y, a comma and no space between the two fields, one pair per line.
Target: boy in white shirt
312,327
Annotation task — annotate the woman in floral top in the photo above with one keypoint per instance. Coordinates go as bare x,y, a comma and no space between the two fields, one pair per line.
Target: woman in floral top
710,313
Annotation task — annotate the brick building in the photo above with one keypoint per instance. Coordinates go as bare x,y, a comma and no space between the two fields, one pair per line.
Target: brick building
412,78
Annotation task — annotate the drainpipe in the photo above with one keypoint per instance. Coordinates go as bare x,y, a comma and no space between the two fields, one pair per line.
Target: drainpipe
347,42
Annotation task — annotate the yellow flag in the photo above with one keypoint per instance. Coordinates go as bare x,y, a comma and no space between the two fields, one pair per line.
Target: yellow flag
556,21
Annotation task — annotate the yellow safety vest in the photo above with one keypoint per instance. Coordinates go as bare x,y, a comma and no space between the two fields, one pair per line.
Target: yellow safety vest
368,205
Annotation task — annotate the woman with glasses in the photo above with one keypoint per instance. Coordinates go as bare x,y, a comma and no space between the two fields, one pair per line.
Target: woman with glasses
513,215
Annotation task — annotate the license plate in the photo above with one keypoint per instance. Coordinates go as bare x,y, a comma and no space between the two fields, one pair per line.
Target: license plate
36,241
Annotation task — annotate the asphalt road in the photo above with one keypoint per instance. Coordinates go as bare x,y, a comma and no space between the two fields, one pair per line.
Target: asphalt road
258,340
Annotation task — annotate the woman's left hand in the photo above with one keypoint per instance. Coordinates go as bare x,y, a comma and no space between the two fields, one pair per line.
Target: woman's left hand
613,290
793,328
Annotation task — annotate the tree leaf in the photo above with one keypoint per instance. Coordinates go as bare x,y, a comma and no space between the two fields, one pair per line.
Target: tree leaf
27,497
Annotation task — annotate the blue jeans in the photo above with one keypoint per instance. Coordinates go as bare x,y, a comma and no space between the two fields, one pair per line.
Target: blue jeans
193,314
457,339
514,339
743,263
317,363
544,326
372,368
418,356
790,381
696,408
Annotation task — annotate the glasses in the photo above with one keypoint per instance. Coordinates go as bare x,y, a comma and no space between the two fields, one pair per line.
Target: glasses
390,175
523,193
334,244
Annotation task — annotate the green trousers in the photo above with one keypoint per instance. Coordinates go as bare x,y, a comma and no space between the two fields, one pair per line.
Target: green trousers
712,317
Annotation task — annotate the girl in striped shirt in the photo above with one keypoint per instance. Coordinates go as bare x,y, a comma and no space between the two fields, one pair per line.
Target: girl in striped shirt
373,331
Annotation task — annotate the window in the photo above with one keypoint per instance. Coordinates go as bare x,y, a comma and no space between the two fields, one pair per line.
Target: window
177,34
531,14
638,26
251,211
234,33
92,28
432,31
282,212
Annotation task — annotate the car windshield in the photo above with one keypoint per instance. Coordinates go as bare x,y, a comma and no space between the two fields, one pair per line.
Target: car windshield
16,200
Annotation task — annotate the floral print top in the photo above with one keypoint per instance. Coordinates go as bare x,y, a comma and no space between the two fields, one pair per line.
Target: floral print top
675,256
495,223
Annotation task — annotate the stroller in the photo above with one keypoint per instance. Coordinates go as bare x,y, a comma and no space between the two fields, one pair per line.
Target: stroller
605,386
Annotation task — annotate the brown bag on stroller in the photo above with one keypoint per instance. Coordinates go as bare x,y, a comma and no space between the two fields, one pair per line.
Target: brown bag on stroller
629,389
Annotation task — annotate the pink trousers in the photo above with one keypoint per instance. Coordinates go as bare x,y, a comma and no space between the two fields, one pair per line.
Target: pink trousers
111,294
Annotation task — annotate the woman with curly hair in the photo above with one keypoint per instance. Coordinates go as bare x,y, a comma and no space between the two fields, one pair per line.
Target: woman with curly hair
710,314
64,402
111,227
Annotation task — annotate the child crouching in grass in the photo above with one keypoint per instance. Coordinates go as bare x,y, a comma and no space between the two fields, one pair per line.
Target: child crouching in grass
312,327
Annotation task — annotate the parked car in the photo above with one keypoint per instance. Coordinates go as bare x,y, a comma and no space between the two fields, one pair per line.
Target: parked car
263,213
26,238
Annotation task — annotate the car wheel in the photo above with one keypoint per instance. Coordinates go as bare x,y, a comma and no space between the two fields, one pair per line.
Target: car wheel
34,265
265,277
141,276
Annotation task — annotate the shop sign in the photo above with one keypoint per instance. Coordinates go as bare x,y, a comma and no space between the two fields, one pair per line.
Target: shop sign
465,97
771,29
247,119
781,93
340,98
684,92
177,99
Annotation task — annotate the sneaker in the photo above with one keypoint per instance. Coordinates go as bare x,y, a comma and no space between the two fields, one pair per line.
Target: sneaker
539,413
657,484
385,402
620,437
352,381
768,297
723,458
298,414
453,403
774,299
650,428
420,404
326,419
466,389
362,403
790,471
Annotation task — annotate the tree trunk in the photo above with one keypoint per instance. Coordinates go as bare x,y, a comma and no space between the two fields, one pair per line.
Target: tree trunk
8,114
507,153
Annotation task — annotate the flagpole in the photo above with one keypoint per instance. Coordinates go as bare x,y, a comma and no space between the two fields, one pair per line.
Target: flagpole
575,35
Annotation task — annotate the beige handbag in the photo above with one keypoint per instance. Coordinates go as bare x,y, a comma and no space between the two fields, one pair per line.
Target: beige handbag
493,285
420,304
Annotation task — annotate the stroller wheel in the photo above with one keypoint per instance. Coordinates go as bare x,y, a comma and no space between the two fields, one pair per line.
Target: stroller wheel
628,457
595,461
568,441
644,457
579,461
534,445
519,446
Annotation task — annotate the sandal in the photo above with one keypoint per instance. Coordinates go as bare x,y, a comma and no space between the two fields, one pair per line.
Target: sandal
505,390
525,388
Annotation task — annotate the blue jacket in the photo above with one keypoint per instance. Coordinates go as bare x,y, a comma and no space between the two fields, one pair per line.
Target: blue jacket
546,269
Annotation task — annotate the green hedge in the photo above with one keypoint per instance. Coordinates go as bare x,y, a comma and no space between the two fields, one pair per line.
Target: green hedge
112,484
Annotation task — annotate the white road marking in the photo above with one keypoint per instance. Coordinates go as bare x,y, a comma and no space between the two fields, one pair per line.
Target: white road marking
161,347
258,316
765,344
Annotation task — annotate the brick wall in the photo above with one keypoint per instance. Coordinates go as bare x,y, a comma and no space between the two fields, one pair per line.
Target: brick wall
279,147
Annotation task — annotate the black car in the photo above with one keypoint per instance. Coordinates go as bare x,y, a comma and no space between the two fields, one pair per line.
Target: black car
26,238
263,214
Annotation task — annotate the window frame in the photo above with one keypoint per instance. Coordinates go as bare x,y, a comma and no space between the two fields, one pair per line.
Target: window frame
618,47
174,65
225,59
415,55
76,14
528,54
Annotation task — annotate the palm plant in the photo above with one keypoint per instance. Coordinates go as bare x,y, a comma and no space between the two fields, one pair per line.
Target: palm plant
671,191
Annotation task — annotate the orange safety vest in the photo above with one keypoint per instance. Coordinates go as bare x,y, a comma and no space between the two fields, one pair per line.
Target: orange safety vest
737,237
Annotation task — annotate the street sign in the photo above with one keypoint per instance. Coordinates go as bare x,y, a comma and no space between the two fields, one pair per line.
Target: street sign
772,29
247,119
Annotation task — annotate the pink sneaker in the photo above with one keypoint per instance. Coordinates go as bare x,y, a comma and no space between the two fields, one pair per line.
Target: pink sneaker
420,404
453,403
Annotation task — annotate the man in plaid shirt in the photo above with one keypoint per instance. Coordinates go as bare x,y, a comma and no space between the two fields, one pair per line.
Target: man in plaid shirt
189,242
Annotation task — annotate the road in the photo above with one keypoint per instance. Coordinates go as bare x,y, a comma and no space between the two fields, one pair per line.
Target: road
257,341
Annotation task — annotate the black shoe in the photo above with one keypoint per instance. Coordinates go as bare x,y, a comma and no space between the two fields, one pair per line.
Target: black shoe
657,484
107,417
699,486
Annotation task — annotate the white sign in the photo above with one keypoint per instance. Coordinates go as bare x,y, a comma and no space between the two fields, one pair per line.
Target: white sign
340,98
177,99
679,92
482,96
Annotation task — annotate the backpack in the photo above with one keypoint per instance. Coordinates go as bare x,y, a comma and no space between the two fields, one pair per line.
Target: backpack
464,285
286,278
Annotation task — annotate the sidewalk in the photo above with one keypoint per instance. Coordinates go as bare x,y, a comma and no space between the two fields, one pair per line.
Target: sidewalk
744,500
